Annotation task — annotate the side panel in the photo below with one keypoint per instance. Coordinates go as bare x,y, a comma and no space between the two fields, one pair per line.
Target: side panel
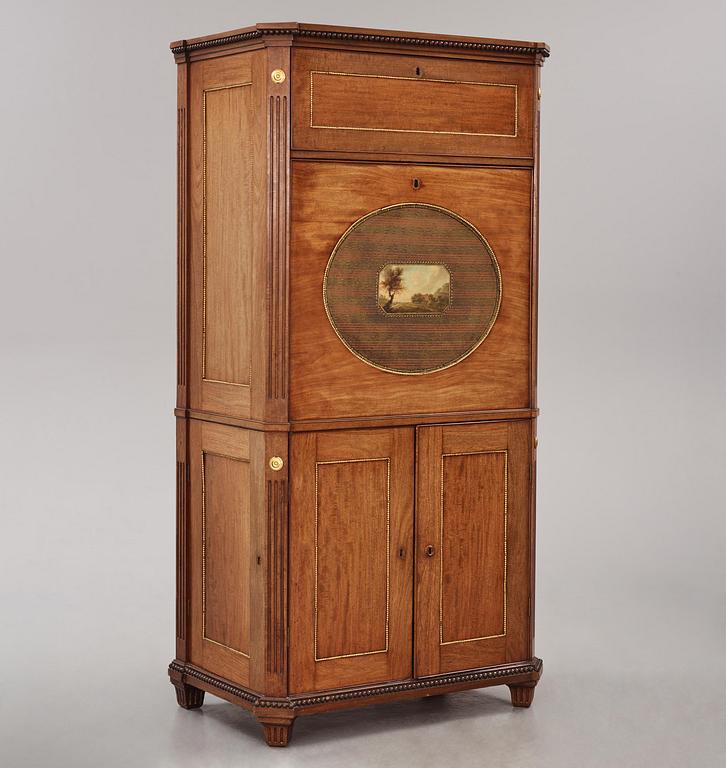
472,546
225,544
351,531
227,204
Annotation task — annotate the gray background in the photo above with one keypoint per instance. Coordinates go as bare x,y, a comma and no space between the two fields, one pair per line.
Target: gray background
631,595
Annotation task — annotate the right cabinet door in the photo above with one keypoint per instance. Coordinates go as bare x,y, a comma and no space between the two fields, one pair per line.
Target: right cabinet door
473,546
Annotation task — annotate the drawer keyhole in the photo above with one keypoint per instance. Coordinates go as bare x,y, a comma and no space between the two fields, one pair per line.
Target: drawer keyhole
418,72
416,183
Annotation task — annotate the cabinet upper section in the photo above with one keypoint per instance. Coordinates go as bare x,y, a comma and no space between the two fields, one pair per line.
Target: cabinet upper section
357,226
373,91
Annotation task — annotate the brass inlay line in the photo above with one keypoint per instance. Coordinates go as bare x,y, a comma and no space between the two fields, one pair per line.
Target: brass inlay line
441,549
204,553
388,557
418,80
488,249
204,237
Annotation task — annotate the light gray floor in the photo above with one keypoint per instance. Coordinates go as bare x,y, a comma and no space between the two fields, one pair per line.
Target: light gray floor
633,668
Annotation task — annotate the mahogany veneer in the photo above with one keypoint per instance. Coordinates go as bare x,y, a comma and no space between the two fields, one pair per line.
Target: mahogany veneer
355,525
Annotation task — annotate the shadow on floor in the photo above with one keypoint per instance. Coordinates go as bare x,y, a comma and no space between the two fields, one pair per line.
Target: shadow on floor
378,718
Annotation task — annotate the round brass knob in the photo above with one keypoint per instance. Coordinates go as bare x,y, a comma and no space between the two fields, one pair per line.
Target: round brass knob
276,463
278,76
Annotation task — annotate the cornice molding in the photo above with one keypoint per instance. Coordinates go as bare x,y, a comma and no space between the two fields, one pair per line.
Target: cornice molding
538,50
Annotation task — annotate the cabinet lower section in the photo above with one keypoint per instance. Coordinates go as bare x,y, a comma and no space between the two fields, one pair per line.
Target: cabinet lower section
345,567
369,574
277,715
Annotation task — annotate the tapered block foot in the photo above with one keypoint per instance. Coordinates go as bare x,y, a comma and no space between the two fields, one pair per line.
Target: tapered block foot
187,696
277,734
522,695
277,725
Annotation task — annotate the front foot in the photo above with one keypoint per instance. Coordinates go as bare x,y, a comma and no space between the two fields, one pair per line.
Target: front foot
522,694
187,696
277,725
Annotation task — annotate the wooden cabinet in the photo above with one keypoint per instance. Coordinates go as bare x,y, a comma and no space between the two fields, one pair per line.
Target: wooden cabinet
356,382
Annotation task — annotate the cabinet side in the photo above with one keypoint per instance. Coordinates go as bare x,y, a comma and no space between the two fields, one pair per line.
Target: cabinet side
233,198
182,356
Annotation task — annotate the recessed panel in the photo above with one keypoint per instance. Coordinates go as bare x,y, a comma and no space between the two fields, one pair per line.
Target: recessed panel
473,546
352,551
227,227
359,102
226,551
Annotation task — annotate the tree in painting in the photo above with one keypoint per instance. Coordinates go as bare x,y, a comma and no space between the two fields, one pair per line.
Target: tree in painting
392,283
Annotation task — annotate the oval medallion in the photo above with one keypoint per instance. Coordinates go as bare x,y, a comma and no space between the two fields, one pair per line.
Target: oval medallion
412,288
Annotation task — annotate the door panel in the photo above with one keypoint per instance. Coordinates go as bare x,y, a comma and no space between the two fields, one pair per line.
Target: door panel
495,201
351,536
472,546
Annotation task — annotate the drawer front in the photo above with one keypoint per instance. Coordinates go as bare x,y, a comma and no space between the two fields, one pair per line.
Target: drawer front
407,104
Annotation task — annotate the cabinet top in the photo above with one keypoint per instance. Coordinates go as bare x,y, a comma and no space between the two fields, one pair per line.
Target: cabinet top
295,33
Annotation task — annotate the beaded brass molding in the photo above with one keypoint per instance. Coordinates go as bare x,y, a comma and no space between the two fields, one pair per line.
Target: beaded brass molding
441,549
204,237
388,557
204,454
416,80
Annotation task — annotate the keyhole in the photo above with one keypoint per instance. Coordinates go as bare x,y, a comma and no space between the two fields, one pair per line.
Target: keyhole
416,183
418,71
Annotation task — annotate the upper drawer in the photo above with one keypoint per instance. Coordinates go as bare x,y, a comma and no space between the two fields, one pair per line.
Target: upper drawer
356,102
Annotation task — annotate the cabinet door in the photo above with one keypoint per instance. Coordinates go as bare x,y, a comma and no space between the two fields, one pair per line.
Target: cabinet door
351,559
472,546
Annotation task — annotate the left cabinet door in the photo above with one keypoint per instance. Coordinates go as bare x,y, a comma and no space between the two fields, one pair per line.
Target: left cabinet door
223,541
351,558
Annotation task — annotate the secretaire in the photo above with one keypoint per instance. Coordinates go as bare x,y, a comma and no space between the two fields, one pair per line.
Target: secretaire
357,350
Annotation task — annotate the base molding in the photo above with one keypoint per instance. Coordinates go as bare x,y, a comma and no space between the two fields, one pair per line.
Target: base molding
519,675
276,715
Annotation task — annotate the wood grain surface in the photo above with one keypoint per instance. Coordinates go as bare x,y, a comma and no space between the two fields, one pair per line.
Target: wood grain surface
442,106
351,531
463,473
327,199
